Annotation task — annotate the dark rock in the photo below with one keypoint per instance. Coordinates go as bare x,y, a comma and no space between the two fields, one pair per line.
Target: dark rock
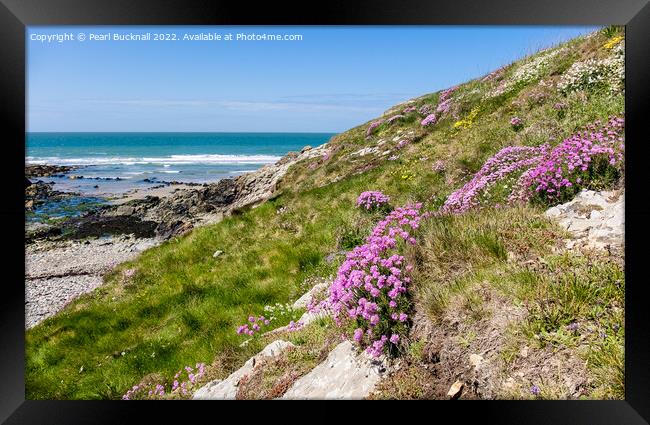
219,194
95,225
39,192
42,232
177,228
290,156
177,183
125,210
36,170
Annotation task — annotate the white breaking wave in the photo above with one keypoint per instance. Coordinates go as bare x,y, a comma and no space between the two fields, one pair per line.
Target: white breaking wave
165,161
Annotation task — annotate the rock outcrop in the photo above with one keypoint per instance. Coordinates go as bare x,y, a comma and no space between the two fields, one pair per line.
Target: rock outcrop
227,389
39,192
596,219
187,208
343,375
41,170
319,289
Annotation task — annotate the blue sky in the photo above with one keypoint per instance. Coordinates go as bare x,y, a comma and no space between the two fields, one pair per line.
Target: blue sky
333,79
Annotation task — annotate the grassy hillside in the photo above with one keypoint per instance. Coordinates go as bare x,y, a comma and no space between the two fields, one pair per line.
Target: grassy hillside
177,305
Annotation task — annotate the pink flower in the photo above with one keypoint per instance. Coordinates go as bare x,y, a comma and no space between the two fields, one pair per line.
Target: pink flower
372,200
429,120
373,125
358,334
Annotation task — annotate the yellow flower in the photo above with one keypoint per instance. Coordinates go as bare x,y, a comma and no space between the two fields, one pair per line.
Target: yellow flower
468,120
613,42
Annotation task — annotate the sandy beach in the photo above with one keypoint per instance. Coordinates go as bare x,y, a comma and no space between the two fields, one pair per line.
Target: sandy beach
159,191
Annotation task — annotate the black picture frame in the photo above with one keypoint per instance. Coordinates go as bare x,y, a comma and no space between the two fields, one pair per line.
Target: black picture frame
16,15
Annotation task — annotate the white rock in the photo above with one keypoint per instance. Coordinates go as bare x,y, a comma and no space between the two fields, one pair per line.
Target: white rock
227,389
203,393
343,375
308,317
595,214
306,297
365,151
603,226
475,360
553,212
579,225
455,390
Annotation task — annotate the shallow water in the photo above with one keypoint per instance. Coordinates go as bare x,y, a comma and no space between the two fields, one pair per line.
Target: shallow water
54,209
141,160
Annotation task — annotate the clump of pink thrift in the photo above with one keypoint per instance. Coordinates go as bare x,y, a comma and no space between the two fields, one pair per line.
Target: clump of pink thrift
425,109
494,75
394,118
444,101
373,125
429,120
439,166
507,161
547,175
372,200
402,143
179,386
255,326
574,163
516,123
370,288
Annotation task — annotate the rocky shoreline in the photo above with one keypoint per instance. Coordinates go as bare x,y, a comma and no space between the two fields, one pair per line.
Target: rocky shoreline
69,257
39,192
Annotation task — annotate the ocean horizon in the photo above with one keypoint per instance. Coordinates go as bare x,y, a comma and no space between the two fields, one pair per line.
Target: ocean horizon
116,162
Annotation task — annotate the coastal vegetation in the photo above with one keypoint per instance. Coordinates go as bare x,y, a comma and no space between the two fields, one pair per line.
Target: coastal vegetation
428,222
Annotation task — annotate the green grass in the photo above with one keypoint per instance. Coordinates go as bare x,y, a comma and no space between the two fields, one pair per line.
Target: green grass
455,249
182,306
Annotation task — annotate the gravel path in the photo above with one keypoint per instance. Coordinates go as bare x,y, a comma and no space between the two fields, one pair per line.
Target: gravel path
58,272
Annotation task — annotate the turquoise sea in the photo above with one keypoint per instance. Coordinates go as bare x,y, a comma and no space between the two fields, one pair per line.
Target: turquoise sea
113,163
